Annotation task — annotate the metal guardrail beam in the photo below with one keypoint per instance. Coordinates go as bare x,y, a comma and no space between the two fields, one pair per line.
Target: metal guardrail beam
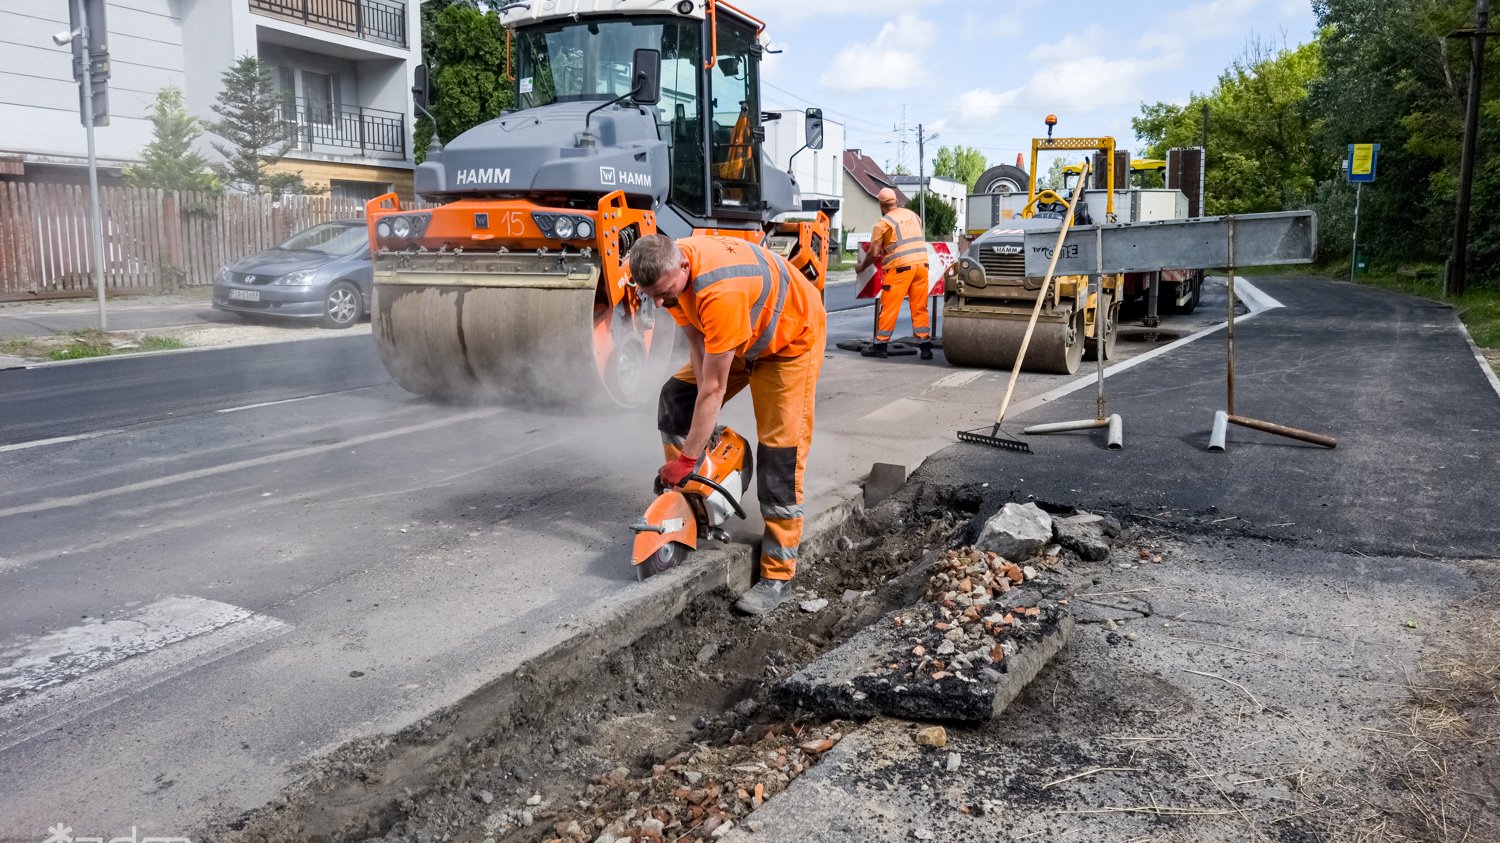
1284,237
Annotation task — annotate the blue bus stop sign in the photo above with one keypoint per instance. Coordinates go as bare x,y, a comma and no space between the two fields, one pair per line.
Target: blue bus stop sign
1362,161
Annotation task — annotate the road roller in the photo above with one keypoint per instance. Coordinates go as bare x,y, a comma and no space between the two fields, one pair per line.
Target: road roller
509,284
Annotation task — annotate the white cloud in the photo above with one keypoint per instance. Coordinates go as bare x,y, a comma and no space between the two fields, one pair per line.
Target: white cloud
894,61
1078,74
980,106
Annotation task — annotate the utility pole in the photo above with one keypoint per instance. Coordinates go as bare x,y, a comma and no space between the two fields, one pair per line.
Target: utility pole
922,139
1458,268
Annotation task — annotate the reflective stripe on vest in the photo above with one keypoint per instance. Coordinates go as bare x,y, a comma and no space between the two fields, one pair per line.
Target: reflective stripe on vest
764,339
908,245
760,269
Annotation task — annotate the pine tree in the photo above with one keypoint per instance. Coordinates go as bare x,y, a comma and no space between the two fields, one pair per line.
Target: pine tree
256,136
169,162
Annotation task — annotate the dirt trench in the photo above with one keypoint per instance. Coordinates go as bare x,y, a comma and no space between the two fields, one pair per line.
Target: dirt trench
567,748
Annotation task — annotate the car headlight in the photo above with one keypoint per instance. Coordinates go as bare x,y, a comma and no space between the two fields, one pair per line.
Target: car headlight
584,230
382,229
563,228
224,275
300,278
401,226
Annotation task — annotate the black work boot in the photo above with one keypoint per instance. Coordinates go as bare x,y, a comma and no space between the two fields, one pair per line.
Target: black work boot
762,597
877,349
926,347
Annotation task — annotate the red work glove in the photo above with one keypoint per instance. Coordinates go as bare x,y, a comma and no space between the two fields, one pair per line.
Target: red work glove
676,471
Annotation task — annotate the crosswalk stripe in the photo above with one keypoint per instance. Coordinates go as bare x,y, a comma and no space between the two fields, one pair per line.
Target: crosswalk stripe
51,679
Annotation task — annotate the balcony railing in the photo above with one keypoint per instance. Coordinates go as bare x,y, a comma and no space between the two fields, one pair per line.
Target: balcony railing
383,21
370,130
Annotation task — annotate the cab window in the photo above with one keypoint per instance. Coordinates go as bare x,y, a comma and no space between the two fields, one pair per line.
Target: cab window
735,111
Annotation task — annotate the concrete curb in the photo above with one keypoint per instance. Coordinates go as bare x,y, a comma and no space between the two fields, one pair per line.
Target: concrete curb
1484,365
646,606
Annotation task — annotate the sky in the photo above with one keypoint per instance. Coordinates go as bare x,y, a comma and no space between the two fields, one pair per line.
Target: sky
985,73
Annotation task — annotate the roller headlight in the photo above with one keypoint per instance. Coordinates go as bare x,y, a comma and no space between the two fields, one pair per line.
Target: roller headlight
563,228
301,278
584,230
401,226
382,229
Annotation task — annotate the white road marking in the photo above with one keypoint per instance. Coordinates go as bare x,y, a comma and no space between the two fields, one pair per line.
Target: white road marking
282,401
51,679
961,378
269,459
58,440
1257,301
898,410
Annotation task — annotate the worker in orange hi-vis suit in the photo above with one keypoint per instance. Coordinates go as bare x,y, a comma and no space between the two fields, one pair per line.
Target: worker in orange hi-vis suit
751,320
899,245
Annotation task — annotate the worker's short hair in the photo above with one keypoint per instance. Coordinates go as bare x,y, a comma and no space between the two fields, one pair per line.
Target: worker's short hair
652,257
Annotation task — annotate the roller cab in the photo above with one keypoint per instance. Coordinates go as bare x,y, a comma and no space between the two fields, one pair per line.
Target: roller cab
635,117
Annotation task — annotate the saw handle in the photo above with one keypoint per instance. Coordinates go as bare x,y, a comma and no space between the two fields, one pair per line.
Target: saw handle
698,478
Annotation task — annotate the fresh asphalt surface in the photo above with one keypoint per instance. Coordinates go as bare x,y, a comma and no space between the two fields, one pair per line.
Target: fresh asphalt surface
390,547
1389,376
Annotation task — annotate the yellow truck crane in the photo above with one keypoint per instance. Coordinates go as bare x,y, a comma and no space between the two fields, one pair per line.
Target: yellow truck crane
634,117
991,298
986,318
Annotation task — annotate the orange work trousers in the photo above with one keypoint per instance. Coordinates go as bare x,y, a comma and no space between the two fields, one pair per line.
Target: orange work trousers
782,390
909,282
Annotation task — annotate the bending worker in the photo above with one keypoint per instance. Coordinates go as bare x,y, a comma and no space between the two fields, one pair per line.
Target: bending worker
899,246
751,320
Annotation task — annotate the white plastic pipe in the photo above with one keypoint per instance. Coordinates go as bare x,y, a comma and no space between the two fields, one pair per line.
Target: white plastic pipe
1116,439
1220,432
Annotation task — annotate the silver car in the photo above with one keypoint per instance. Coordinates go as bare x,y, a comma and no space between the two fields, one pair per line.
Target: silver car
321,273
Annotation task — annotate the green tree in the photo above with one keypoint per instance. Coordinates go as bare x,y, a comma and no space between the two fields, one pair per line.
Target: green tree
1260,155
169,161
942,218
960,163
256,135
1393,77
465,51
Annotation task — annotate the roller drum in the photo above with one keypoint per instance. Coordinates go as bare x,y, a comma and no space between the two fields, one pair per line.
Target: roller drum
519,345
993,341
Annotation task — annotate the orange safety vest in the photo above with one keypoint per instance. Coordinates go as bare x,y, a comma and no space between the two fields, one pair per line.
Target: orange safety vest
907,245
745,298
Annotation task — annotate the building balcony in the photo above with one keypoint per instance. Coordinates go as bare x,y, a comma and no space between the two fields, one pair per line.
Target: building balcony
340,130
379,21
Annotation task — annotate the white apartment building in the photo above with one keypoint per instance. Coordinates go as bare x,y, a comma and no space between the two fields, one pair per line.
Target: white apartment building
344,69
819,172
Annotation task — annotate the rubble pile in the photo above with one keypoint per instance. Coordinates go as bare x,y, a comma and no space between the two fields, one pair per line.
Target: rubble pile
696,795
977,615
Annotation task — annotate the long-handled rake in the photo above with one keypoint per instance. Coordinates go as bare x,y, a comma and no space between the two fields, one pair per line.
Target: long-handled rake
993,437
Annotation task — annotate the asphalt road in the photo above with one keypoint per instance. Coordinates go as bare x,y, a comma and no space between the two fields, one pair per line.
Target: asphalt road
217,564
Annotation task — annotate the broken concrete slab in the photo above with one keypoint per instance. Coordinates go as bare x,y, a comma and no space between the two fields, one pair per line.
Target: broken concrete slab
914,664
1017,532
885,480
1086,535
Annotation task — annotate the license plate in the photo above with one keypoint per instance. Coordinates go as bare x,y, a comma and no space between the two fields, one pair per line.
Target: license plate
244,295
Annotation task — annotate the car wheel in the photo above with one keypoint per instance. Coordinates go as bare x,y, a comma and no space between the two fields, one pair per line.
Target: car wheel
342,305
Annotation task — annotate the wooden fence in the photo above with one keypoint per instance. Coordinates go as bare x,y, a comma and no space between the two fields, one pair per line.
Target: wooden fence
153,240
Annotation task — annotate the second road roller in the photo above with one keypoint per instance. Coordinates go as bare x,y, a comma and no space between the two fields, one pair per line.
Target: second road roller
634,117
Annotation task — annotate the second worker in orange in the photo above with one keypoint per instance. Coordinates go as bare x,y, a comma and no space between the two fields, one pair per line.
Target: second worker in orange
899,246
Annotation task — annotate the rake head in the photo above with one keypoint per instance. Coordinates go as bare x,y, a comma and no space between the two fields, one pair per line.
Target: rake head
993,439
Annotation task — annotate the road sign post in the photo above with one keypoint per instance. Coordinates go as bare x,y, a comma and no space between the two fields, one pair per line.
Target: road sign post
89,38
1360,168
